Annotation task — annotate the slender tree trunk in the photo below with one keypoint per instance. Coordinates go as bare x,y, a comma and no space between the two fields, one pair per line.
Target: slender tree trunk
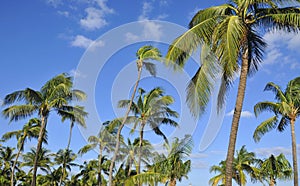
140,148
38,148
236,118
100,166
15,163
121,127
172,182
67,149
272,182
294,151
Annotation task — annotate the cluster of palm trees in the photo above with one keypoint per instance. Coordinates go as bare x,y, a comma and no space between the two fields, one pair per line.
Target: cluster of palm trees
231,43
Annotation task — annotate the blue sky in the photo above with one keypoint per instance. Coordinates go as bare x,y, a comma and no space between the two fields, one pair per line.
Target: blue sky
43,38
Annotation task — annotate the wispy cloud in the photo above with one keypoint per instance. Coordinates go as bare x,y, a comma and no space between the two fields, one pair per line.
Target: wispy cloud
76,73
267,151
54,3
64,13
84,42
95,17
278,44
245,114
198,155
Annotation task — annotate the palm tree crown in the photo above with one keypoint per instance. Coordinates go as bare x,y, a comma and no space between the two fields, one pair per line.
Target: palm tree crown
231,43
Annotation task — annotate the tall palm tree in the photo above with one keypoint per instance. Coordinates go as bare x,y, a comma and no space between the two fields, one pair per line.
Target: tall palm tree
286,110
104,141
144,55
230,36
243,163
76,115
30,130
55,95
87,172
151,109
274,168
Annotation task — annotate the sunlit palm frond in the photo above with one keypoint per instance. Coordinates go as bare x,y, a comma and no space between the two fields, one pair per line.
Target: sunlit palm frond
17,112
265,127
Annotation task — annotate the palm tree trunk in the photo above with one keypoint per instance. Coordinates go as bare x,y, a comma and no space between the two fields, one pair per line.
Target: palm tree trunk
38,148
121,127
140,148
67,149
100,166
172,182
15,163
236,118
294,151
272,182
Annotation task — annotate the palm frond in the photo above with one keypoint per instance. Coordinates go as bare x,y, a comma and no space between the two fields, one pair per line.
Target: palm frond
17,112
266,106
150,67
264,127
201,85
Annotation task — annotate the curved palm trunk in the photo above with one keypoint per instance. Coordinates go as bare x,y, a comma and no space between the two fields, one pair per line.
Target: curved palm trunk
15,163
38,148
64,160
121,127
294,151
100,166
236,118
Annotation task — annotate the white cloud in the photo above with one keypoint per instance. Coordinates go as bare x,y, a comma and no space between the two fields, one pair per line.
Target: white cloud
272,150
147,8
244,114
198,155
54,3
131,37
278,43
64,13
84,42
95,18
76,73
199,165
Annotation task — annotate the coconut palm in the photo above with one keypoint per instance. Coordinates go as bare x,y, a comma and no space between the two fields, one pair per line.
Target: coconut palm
87,172
243,163
76,115
286,109
55,95
151,109
30,130
104,141
44,160
170,167
275,168
144,55
66,158
230,37
7,157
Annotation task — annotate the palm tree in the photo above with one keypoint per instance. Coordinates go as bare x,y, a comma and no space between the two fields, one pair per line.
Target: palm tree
275,167
30,130
104,141
7,157
144,54
76,115
44,159
55,95
64,157
168,168
88,171
286,110
151,109
230,36
243,163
